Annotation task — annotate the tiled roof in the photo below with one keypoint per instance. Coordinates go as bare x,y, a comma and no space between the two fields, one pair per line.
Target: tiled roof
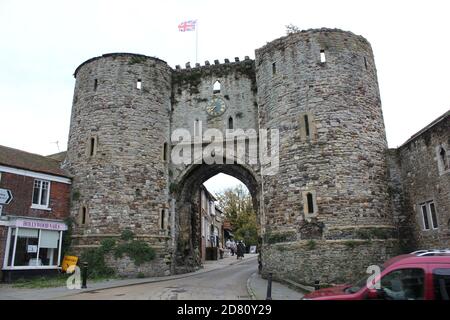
60,156
29,161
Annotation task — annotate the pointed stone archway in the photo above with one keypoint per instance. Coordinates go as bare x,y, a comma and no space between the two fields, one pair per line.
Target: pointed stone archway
187,206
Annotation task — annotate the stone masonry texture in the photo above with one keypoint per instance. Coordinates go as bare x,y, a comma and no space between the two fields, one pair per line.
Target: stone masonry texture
332,147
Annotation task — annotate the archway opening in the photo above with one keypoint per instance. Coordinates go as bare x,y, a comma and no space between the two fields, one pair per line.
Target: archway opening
203,218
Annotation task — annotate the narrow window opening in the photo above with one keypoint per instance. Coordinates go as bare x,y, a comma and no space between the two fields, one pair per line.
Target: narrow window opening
309,198
306,125
92,147
230,123
83,215
443,155
163,213
322,56
165,151
365,62
426,224
274,68
95,84
139,84
216,87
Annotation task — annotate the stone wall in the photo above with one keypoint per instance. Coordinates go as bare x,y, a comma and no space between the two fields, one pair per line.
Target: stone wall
122,105
329,261
192,93
332,150
423,179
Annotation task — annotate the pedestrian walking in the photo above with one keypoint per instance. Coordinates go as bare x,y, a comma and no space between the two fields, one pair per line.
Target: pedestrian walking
240,250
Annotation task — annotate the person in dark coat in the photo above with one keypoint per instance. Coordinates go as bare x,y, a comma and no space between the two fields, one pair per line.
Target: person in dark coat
240,250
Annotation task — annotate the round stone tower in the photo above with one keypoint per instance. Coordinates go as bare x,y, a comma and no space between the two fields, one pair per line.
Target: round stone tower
326,211
119,131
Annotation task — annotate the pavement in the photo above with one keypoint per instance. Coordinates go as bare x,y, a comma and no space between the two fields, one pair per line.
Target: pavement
256,286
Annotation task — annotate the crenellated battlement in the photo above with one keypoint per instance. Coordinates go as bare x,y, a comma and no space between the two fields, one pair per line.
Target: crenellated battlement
216,63
192,76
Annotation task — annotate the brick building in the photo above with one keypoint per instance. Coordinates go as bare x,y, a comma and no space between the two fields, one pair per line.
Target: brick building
32,223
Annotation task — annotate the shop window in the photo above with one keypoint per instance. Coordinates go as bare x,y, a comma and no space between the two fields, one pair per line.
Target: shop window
41,194
33,248
216,87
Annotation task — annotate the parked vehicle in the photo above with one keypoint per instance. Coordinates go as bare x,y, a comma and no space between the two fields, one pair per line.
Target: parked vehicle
420,275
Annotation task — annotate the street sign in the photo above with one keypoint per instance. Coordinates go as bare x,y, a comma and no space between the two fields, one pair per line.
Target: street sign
5,196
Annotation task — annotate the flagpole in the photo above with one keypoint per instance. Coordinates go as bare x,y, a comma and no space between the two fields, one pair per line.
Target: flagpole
196,41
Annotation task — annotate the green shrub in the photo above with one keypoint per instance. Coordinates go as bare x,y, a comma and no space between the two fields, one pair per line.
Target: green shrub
67,236
127,235
311,245
108,244
139,251
95,257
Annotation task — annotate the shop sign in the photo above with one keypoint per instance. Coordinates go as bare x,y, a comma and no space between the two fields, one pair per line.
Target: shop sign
40,224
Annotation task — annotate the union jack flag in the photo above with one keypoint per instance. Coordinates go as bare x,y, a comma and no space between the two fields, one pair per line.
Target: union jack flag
187,25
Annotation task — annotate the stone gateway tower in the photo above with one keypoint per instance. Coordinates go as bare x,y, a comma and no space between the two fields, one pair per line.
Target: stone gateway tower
325,215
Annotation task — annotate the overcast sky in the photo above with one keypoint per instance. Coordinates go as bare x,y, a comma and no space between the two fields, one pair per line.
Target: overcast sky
42,42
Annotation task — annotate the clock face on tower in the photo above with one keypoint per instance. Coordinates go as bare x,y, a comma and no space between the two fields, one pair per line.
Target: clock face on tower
216,107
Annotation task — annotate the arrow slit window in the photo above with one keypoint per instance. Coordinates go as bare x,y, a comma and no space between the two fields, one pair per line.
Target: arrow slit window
41,194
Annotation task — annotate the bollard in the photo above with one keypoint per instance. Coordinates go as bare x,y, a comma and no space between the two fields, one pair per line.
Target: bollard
84,275
317,284
269,287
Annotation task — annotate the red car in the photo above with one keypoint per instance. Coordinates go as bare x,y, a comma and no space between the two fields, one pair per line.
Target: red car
421,275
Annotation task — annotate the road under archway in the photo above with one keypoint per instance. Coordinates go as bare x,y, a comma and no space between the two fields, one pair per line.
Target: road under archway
187,252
